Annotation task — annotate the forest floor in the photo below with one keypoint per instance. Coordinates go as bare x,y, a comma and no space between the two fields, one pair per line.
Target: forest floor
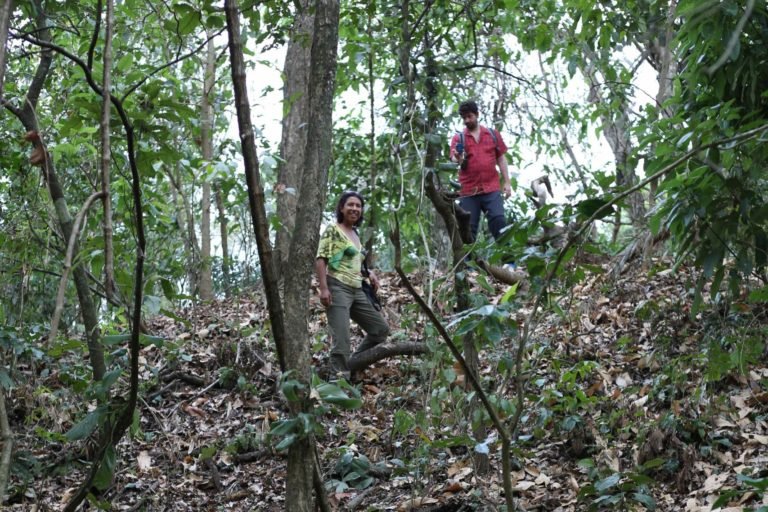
632,403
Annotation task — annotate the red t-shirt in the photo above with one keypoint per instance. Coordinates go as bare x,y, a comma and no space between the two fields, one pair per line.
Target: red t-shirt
480,176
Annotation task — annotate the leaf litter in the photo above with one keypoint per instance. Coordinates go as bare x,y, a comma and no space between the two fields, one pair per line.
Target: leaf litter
643,400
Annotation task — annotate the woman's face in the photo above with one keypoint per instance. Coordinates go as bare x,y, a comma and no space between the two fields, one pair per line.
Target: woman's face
352,210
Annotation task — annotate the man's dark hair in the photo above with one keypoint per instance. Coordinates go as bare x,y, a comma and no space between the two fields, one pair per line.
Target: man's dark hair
343,200
468,107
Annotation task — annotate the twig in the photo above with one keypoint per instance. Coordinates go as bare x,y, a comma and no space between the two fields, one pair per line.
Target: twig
358,500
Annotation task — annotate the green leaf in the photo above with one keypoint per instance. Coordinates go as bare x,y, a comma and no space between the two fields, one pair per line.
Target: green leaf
5,380
286,442
653,463
291,388
645,500
588,207
88,424
146,340
106,471
509,294
114,339
333,394
189,22
607,483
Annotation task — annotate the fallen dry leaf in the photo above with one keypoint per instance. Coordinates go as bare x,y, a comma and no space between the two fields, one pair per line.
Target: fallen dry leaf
144,461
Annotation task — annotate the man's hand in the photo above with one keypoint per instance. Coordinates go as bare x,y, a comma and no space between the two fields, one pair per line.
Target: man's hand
507,189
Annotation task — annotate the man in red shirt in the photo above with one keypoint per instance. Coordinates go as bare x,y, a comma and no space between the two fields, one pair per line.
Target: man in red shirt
480,189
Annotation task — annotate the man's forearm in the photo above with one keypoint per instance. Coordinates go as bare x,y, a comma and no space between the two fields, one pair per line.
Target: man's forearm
502,162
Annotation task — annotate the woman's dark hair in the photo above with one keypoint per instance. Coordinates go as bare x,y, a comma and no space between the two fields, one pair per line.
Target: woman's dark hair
343,200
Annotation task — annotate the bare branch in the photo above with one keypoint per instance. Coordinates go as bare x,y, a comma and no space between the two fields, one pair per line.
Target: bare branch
68,265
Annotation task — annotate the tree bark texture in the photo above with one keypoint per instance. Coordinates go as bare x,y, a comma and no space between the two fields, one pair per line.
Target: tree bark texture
293,143
7,438
224,233
206,144
106,153
253,180
6,7
306,233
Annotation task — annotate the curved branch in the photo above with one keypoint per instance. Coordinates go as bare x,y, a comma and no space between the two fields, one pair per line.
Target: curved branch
497,69
68,264
170,63
95,36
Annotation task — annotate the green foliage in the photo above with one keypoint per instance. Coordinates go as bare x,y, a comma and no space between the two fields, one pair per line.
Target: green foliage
617,491
755,487
340,394
352,470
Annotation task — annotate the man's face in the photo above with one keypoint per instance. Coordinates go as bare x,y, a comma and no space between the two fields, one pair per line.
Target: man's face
470,120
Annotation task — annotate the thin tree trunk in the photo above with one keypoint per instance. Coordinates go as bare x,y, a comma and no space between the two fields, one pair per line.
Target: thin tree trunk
185,221
206,143
7,438
667,72
224,233
306,236
6,7
294,137
616,132
253,180
461,285
293,342
566,143
371,228
28,118
109,265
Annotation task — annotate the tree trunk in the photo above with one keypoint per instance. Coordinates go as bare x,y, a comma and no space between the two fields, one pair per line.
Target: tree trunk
371,228
616,132
461,285
28,118
224,233
294,136
290,332
6,7
206,144
306,233
106,153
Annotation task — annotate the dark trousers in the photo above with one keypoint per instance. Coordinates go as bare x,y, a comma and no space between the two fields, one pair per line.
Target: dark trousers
352,303
492,205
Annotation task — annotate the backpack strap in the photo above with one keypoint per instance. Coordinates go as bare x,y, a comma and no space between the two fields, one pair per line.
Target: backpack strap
494,136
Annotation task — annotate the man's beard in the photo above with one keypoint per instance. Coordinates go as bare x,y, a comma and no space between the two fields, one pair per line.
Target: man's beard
471,126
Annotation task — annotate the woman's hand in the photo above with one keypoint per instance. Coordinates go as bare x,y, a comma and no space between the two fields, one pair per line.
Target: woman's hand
325,297
374,281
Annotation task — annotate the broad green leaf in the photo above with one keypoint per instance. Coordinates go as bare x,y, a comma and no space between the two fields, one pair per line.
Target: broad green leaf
88,424
333,394
607,483
106,472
